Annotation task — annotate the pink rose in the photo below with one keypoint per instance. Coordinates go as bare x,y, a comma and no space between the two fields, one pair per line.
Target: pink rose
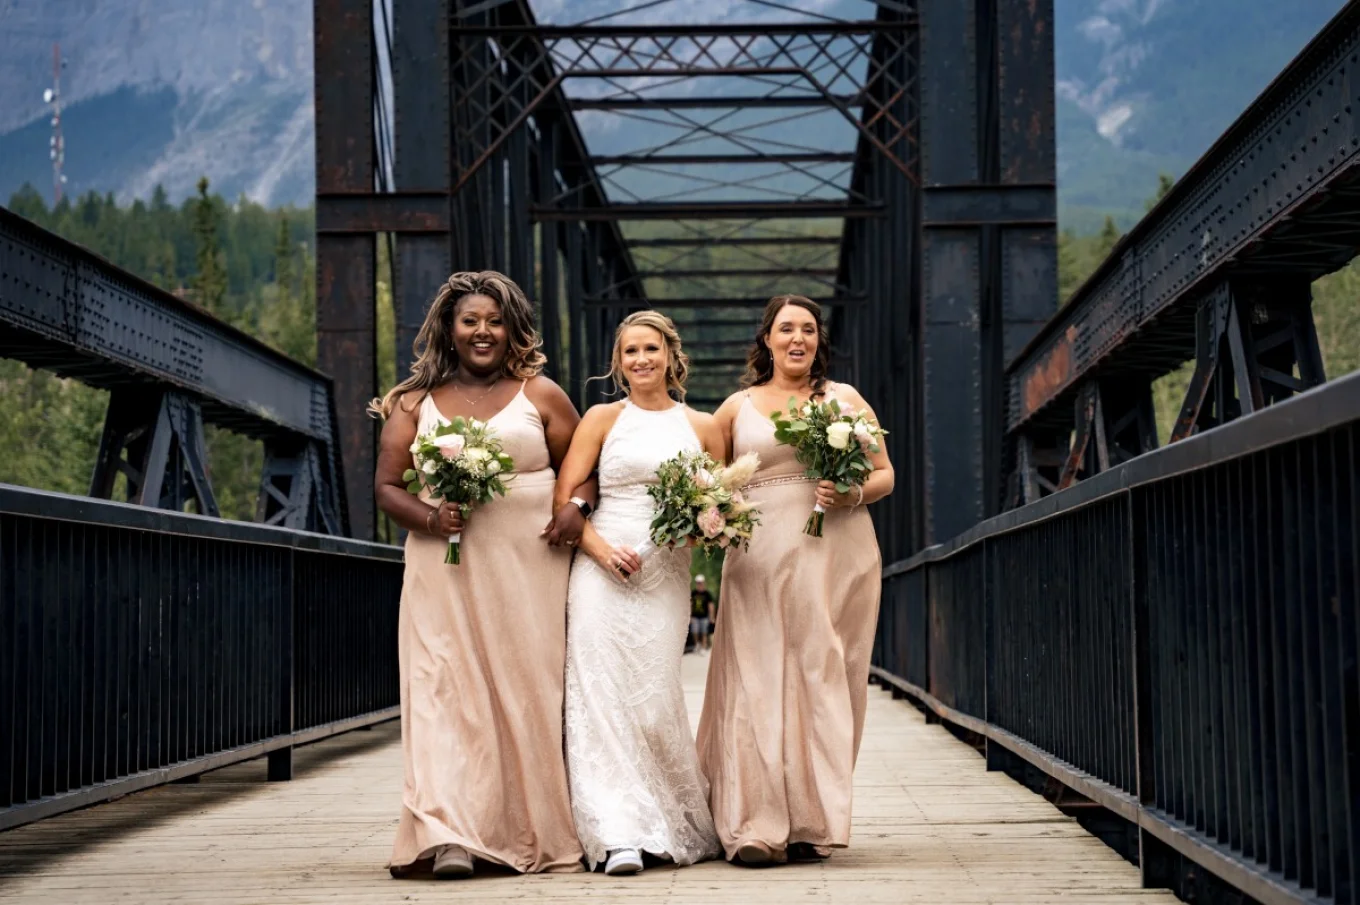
863,435
711,522
450,445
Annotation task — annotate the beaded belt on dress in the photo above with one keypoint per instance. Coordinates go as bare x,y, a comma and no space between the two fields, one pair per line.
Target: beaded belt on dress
782,479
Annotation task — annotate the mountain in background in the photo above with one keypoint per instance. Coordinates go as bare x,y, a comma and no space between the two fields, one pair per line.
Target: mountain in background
163,91
1146,86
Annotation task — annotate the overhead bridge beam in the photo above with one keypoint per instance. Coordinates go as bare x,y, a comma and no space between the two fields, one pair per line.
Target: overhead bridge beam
705,103
688,30
708,210
633,160
692,241
701,302
828,272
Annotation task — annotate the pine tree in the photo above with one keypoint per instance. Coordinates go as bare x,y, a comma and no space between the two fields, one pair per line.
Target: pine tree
283,261
1109,236
210,279
1164,184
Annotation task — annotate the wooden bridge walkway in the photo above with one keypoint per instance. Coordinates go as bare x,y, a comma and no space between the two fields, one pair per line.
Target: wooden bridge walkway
931,826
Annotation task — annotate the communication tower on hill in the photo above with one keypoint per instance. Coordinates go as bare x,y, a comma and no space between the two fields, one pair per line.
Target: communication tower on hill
57,144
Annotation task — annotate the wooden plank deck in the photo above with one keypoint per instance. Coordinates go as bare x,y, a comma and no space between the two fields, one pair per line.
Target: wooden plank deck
931,826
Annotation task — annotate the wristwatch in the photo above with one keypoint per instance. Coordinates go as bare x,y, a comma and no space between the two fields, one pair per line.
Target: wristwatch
581,504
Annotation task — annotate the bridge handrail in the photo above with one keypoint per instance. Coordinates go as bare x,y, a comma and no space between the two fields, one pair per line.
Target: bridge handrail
1170,639
1318,410
145,646
17,500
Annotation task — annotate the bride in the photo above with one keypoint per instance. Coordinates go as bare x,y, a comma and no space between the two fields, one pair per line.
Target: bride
631,763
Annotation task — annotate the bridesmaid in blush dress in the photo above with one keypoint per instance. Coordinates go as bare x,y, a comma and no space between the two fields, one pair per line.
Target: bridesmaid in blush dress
483,644
789,672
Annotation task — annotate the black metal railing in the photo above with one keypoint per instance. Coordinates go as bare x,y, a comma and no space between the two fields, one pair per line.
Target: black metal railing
1175,639
139,646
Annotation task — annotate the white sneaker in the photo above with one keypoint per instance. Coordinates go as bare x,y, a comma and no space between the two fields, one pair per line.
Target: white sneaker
452,862
623,861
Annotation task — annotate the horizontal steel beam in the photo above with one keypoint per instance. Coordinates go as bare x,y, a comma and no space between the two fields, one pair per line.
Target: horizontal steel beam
701,103
1274,177
631,160
64,309
700,302
693,241
396,212
978,205
708,210
683,30
735,272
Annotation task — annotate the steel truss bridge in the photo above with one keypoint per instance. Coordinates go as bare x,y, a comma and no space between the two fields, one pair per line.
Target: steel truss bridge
1158,633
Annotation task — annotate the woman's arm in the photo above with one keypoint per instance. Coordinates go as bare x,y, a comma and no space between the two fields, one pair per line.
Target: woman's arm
577,465
880,481
389,490
726,417
710,435
560,422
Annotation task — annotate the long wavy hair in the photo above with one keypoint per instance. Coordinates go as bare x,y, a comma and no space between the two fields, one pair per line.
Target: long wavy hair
677,362
436,359
760,360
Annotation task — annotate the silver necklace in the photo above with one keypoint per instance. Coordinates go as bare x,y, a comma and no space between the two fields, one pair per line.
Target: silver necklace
472,403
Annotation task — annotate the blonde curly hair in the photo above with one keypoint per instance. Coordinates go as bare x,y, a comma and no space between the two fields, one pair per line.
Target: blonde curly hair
677,363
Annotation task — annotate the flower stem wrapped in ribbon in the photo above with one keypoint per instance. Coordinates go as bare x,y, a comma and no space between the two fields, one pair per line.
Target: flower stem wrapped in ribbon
459,462
699,503
831,443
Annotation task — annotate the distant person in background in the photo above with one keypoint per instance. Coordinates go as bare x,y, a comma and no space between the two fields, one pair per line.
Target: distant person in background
701,614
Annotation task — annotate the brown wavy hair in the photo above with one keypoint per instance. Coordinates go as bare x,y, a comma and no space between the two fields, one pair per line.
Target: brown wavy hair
677,362
435,358
760,360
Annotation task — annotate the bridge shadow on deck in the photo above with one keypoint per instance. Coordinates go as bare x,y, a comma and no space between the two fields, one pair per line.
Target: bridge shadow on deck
931,826
46,845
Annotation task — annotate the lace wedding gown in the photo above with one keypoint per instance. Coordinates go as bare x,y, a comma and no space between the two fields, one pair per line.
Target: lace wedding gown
631,761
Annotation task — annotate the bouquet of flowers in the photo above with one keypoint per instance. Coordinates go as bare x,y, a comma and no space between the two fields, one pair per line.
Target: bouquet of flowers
699,503
460,462
831,443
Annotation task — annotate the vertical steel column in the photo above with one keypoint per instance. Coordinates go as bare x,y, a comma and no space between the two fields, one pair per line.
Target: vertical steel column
346,296
1027,271
988,281
549,286
423,156
950,263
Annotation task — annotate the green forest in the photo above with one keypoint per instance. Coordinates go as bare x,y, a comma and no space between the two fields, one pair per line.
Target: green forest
254,268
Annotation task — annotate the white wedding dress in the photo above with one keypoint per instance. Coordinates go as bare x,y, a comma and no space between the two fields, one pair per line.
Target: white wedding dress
631,761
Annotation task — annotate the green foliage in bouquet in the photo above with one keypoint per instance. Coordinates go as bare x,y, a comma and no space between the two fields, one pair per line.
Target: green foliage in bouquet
699,502
831,443
462,463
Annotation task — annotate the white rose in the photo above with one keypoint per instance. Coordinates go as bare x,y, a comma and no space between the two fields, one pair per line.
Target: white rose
493,467
703,479
476,454
838,434
430,466
415,447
